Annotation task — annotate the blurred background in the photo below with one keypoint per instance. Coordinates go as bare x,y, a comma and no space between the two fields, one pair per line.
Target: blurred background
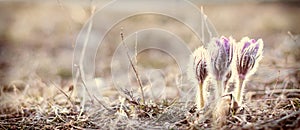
37,38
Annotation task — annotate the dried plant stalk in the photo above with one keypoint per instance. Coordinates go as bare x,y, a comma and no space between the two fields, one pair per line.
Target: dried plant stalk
133,67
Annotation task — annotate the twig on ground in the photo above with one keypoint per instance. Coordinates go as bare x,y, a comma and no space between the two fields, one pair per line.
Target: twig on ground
286,117
275,84
238,118
276,91
57,114
292,103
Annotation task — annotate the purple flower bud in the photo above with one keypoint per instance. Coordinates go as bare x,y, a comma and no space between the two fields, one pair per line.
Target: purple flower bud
198,67
221,54
249,53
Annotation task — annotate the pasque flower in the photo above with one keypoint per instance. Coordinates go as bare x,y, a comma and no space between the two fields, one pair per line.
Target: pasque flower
197,72
221,55
222,60
248,53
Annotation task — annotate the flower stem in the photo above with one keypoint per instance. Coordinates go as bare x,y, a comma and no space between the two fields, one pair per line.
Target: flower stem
241,86
200,92
220,86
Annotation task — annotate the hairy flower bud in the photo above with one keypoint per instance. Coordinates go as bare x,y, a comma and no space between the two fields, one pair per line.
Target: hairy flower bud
197,67
221,54
248,54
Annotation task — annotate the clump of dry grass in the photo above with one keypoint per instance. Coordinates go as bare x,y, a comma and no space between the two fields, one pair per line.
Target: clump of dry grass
36,104
281,109
54,117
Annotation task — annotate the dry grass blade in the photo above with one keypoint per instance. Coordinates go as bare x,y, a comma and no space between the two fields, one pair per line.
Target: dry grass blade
62,91
133,66
102,104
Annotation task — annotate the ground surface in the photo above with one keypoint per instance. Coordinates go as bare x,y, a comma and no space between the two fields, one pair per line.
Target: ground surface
36,85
